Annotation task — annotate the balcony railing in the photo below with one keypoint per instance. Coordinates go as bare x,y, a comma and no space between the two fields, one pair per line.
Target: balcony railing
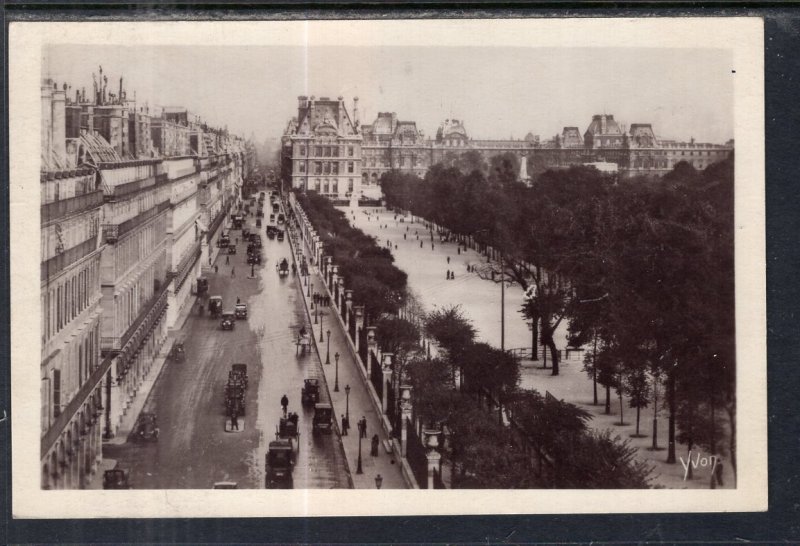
123,190
58,263
151,309
71,205
113,232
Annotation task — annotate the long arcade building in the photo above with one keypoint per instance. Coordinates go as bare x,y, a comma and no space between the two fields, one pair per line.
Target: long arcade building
132,203
326,149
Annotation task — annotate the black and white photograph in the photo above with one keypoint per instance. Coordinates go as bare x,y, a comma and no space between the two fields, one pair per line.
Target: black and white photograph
520,262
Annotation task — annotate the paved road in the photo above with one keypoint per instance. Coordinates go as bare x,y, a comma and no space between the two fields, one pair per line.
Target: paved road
193,450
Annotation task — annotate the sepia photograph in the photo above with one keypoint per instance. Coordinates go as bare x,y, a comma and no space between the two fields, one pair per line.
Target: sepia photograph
507,264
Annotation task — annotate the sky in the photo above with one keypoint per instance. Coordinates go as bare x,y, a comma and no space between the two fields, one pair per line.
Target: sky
498,92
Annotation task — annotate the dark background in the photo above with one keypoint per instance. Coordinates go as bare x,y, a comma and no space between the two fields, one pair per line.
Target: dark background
780,524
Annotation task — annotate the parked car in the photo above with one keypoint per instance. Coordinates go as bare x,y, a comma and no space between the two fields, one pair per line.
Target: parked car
146,428
224,240
116,478
215,306
228,320
202,285
240,310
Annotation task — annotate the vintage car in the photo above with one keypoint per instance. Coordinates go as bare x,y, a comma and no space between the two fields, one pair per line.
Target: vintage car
287,428
275,208
283,268
281,218
238,220
309,394
271,231
240,310
228,320
146,428
258,222
231,249
116,478
215,306
280,235
177,353
259,213
271,218
279,464
323,418
224,240
202,285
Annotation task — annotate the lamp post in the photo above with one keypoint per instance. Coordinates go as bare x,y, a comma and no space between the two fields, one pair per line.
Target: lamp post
328,350
316,313
311,285
359,470
347,403
336,356
378,481
321,334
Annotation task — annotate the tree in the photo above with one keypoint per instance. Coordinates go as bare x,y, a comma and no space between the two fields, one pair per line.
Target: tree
490,369
452,331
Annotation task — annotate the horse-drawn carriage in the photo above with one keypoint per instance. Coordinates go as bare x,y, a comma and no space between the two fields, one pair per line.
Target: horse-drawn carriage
309,394
287,428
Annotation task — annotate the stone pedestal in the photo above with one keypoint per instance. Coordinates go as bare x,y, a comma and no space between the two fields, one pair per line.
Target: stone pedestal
386,368
405,415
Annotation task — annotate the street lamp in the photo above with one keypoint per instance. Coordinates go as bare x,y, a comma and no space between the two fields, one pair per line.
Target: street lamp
336,356
316,312
311,285
359,470
347,403
378,481
321,335
328,351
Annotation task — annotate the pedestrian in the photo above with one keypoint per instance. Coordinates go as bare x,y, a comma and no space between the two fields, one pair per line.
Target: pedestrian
237,240
344,426
363,427
327,301
420,243
432,246
447,276
448,259
216,268
375,442
227,260
405,236
234,420
233,271
238,300
395,247
284,404
452,275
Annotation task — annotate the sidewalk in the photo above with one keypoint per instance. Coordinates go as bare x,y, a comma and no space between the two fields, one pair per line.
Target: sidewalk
360,404
129,418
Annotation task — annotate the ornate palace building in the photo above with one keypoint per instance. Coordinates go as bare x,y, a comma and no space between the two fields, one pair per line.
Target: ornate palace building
132,205
389,143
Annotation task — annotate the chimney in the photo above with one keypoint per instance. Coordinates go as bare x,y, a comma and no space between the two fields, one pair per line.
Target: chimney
59,120
47,118
355,110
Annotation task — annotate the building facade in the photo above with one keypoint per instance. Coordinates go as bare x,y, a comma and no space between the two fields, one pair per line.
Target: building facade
390,144
321,148
132,202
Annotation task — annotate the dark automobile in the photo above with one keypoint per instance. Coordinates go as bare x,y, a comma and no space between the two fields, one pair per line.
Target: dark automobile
224,240
177,353
116,479
232,249
258,222
309,394
279,465
202,285
146,427
240,310
323,418
215,306
280,235
281,218
228,320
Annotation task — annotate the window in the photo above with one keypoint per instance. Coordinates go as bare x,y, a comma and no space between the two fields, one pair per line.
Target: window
327,151
335,187
318,167
326,167
350,167
56,393
335,168
301,168
350,185
302,150
318,151
349,151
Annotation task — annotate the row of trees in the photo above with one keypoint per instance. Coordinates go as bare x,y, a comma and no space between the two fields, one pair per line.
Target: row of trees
368,269
641,269
536,442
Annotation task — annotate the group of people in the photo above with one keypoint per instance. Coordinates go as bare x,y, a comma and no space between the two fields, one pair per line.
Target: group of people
450,275
319,299
362,426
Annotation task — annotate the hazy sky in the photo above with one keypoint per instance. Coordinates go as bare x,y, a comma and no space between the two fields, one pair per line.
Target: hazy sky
498,92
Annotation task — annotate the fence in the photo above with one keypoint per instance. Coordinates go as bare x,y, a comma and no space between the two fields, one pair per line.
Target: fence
377,376
415,454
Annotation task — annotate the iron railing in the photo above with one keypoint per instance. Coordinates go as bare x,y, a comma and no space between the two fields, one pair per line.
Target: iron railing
71,205
58,263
